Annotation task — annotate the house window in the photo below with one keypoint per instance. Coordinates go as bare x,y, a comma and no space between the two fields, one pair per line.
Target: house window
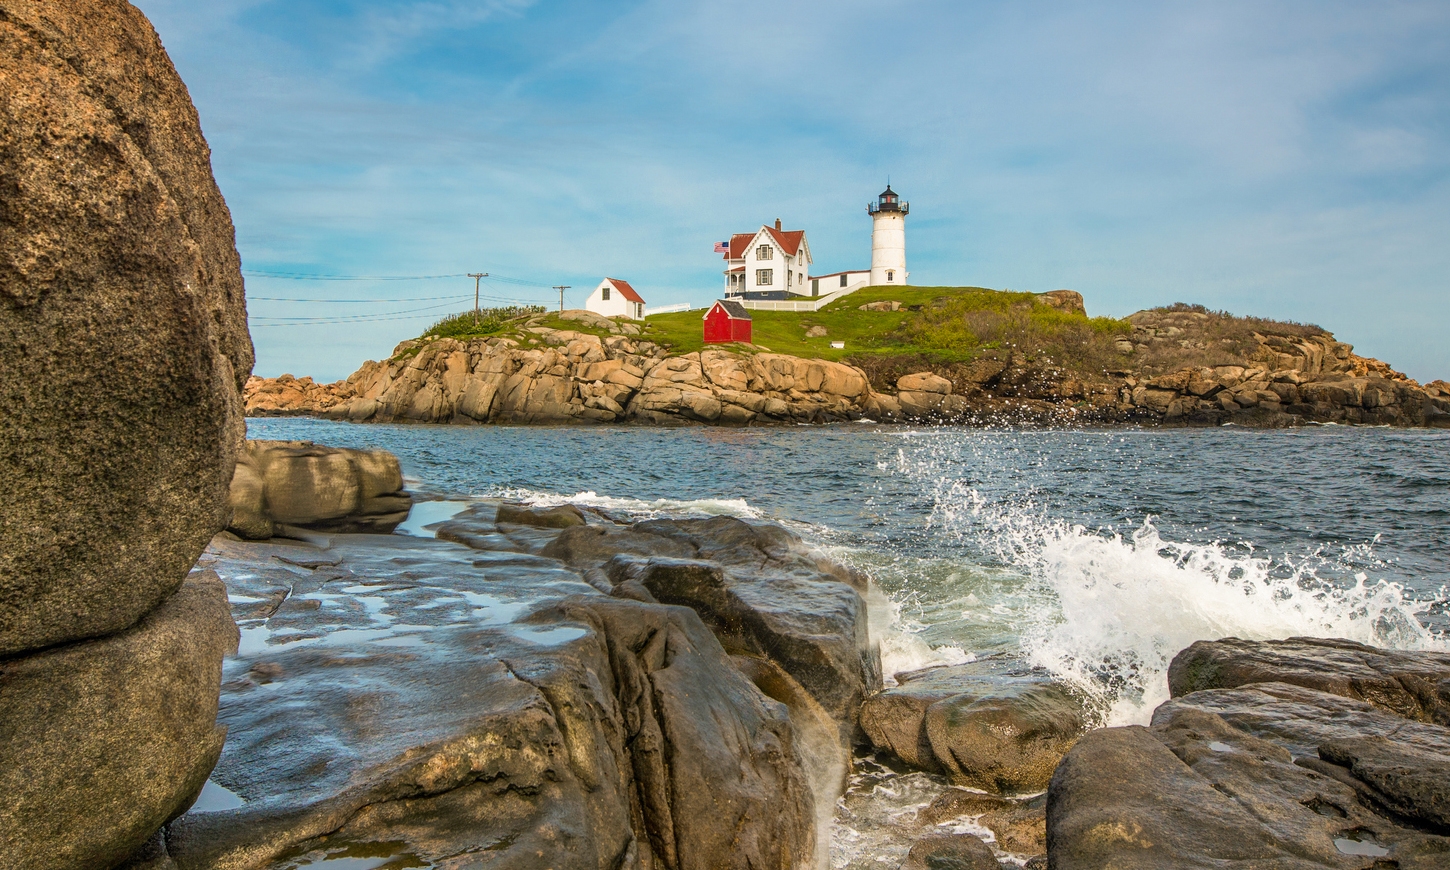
764,277
605,297
890,275
764,252
843,280
800,278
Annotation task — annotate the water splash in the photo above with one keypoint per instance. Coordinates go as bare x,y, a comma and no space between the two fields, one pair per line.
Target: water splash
635,508
1110,611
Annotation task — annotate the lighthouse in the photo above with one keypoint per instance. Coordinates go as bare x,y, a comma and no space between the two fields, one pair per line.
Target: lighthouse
888,238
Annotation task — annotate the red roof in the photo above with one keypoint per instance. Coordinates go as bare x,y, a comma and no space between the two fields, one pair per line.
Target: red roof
628,291
788,240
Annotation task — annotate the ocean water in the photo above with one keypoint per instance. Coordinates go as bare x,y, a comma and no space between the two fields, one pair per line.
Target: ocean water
1097,554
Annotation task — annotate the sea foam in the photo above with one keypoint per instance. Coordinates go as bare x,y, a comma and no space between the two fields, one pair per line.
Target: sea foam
1112,610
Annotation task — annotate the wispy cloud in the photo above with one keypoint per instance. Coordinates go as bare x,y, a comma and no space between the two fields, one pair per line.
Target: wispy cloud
1288,158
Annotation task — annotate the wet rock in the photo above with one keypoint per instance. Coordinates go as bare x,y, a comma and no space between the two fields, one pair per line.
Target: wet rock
950,852
308,486
758,587
1406,781
558,517
451,702
123,337
1234,778
1415,685
993,724
105,740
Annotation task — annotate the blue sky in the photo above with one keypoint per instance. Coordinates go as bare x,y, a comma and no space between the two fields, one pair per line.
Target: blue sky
1287,159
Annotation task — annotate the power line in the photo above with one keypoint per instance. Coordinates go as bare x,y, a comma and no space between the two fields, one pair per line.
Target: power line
251,298
326,322
303,276
358,316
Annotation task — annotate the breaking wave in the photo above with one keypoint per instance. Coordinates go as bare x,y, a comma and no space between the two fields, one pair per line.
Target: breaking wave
1106,612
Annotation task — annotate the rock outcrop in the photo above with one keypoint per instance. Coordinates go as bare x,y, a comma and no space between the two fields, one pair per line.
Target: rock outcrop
298,483
123,338
574,377
412,697
1266,773
757,586
991,724
123,351
568,376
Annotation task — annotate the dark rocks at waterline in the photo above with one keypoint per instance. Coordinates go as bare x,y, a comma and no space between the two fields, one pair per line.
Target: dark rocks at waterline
559,517
993,724
1415,685
307,486
759,587
950,852
449,702
1264,774
123,339
106,740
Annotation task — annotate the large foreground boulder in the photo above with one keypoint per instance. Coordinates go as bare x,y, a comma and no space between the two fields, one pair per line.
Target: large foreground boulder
415,698
105,740
1265,774
123,339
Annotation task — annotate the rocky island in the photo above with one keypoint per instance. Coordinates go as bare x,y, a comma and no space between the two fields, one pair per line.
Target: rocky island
1181,365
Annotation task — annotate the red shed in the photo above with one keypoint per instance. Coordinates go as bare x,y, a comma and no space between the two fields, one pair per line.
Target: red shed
726,321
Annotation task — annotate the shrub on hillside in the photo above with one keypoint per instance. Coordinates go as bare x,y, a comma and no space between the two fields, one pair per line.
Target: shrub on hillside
485,321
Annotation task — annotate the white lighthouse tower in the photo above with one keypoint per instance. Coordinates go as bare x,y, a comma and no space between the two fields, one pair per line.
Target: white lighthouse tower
888,238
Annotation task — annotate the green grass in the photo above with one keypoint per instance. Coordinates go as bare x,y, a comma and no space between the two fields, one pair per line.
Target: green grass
484,322
949,324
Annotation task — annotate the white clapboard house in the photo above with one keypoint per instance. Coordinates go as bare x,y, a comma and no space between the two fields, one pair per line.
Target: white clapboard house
615,298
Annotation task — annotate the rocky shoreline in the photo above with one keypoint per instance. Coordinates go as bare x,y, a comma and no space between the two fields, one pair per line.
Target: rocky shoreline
561,376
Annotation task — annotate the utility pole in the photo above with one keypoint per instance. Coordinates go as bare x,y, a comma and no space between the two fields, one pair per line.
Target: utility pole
561,288
477,277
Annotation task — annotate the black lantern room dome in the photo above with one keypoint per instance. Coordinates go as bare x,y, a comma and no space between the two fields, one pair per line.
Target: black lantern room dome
888,201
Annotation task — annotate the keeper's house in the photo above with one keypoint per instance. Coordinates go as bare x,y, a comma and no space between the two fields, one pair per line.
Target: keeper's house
615,298
770,263
727,321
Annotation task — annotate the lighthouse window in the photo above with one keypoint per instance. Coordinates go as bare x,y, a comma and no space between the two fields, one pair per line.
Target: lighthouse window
890,275
764,277
605,297
764,252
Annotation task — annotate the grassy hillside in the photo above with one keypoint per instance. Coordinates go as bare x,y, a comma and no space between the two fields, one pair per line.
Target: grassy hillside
946,328
950,324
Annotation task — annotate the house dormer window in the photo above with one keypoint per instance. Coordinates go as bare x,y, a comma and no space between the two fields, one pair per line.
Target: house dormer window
605,297
764,252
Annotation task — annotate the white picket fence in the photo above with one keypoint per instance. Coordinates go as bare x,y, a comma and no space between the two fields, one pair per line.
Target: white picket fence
668,309
794,304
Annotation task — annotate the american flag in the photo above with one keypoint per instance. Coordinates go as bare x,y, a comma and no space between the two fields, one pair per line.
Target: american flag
722,247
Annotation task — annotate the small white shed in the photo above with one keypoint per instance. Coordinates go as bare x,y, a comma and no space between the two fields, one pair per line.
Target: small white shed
615,298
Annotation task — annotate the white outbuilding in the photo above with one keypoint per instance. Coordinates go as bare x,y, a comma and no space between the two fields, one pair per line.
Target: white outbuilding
615,298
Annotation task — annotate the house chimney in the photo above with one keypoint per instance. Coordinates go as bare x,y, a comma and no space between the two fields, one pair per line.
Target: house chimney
777,223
